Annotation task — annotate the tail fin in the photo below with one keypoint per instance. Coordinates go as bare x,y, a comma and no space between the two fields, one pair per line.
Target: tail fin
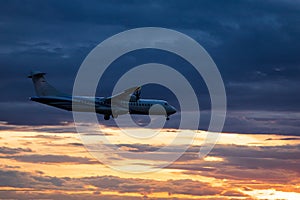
41,86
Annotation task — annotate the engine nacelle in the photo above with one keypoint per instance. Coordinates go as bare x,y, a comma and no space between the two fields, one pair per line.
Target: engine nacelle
133,98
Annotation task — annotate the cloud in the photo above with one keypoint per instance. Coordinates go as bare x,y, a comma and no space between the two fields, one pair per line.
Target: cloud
287,138
8,150
227,172
76,144
28,113
36,158
136,186
61,195
24,180
262,121
138,147
263,164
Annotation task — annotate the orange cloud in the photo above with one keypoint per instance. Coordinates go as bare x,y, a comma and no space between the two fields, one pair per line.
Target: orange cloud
56,165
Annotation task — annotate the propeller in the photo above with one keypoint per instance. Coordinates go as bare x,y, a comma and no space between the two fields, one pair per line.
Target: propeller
138,93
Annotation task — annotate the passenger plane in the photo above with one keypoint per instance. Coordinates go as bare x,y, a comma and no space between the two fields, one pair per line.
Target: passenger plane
126,102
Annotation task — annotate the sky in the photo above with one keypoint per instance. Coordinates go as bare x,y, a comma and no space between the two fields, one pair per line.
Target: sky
255,45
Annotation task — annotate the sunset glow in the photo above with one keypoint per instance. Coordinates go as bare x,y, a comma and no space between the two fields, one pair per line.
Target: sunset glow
60,160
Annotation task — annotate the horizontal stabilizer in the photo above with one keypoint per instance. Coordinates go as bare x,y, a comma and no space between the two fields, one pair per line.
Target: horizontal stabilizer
36,73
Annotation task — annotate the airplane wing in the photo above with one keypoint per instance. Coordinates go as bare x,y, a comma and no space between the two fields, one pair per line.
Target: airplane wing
125,96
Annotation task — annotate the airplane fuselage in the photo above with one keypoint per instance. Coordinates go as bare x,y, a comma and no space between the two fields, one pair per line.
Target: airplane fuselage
102,106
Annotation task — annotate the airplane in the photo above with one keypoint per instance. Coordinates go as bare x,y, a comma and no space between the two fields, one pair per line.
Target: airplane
127,102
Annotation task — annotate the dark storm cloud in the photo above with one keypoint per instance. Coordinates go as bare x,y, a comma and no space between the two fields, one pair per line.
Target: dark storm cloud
255,44
276,122
29,113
